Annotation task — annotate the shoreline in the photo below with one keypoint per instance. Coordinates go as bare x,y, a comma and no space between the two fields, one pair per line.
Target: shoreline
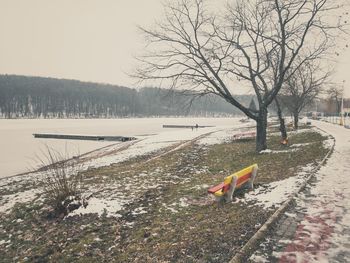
170,190
19,148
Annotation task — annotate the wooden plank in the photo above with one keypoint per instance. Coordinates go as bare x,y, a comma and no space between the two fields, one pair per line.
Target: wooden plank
186,126
216,188
82,137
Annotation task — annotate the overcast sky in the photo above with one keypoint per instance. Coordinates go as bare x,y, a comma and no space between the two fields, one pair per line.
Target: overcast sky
88,40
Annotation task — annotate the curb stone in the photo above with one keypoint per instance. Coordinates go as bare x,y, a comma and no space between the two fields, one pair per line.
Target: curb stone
255,240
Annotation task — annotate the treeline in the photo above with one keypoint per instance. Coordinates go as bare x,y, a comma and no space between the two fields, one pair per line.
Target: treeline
36,97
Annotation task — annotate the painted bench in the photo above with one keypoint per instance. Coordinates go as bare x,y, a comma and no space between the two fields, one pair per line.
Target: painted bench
244,177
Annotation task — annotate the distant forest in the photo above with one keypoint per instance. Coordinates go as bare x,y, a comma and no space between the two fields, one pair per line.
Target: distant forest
36,97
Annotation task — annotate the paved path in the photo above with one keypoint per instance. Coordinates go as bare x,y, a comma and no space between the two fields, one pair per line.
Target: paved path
317,227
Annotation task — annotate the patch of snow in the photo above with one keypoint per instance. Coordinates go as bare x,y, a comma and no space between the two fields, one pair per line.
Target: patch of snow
204,169
183,202
200,187
306,170
284,241
177,205
225,134
110,248
274,151
258,259
328,144
129,224
170,207
8,201
216,137
100,206
291,215
2,242
146,146
299,131
173,210
139,211
273,194
304,120
321,131
299,145
82,227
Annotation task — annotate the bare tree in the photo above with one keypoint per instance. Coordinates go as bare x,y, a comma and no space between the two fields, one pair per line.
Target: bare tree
302,87
282,128
250,41
335,95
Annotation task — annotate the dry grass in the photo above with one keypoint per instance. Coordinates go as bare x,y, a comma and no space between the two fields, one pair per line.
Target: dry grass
203,231
61,180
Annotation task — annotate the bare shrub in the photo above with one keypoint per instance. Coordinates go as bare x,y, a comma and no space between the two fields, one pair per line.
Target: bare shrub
61,180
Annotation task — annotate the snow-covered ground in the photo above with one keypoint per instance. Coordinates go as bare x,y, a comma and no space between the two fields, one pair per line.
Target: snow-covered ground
269,196
272,195
322,234
115,200
115,153
326,206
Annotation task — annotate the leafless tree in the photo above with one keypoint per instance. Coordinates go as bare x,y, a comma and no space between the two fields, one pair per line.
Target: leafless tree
302,87
279,109
216,52
335,95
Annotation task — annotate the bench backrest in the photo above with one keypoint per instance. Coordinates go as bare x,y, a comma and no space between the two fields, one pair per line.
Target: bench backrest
242,176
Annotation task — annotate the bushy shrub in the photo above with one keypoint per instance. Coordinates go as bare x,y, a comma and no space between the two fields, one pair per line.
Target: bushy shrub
61,181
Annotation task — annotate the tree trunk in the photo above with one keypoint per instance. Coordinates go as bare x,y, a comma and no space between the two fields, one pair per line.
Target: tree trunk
261,126
282,123
296,119
338,106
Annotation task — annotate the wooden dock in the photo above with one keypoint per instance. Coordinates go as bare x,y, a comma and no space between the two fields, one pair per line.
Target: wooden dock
186,126
83,137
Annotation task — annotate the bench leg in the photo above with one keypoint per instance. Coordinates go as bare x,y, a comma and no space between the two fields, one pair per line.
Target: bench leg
252,178
229,193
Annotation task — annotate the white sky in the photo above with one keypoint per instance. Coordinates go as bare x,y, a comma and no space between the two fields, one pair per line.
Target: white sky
89,40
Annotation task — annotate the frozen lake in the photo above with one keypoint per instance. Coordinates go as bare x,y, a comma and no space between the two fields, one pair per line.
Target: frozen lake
20,151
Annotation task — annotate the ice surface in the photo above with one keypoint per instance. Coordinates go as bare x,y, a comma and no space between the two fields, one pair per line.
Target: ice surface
19,150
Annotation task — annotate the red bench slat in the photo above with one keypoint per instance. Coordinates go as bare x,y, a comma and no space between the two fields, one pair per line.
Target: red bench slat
216,188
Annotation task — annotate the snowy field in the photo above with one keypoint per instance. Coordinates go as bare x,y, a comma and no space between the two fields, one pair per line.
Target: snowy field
119,152
20,151
325,207
269,196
